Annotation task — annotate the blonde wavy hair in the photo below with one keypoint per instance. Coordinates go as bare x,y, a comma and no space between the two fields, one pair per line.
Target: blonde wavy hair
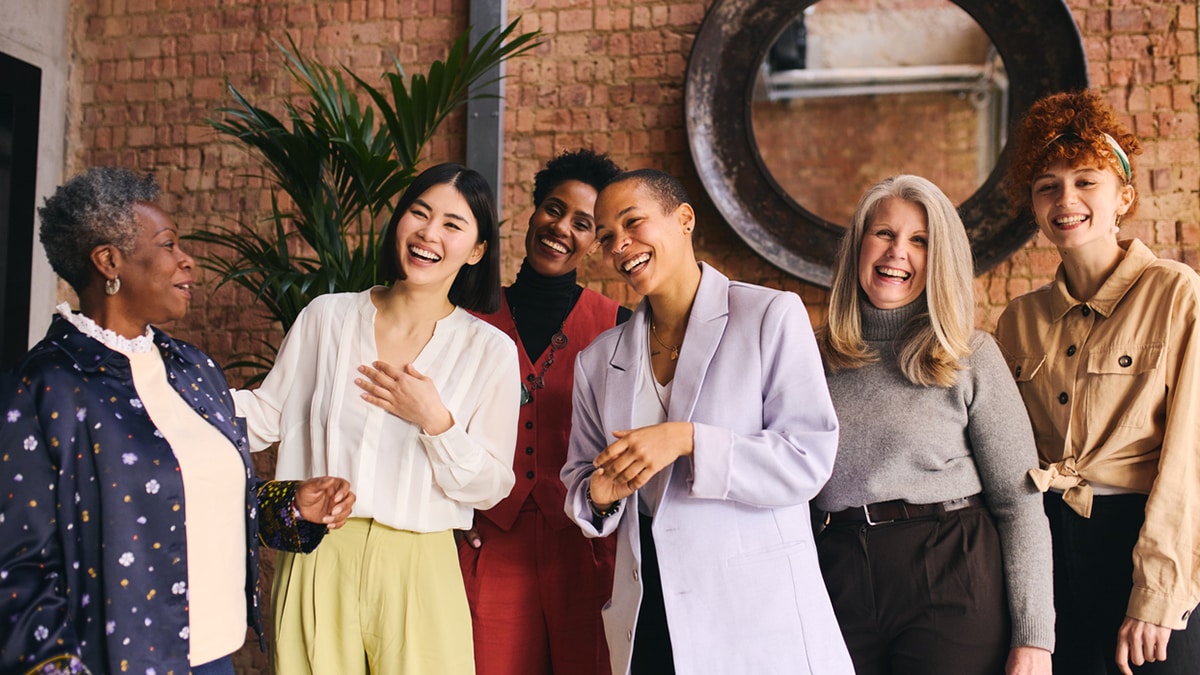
934,342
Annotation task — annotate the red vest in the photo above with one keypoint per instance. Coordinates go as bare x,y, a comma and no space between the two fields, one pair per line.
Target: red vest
544,426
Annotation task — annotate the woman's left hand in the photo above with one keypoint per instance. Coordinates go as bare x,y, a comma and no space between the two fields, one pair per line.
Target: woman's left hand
1141,642
326,500
1028,661
407,394
638,454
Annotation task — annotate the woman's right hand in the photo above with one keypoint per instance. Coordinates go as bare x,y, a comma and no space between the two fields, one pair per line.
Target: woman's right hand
407,394
469,535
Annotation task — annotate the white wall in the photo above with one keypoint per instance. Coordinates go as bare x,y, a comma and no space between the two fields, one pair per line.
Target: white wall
36,32
843,35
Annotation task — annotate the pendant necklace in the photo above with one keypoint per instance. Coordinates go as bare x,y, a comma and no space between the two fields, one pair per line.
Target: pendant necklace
658,388
674,349
557,342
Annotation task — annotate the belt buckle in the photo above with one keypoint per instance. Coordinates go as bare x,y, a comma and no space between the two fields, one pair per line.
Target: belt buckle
867,512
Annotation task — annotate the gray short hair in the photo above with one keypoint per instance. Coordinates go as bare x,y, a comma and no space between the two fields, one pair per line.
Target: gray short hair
90,210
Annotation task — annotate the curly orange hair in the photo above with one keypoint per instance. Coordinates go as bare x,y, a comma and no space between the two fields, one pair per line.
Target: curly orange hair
1068,126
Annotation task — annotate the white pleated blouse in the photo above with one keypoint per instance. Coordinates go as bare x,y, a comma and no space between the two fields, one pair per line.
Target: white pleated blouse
404,478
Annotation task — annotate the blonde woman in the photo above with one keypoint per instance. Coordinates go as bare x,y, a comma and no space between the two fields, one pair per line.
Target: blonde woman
936,553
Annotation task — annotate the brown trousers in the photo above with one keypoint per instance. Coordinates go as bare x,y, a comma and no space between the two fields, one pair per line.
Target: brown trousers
919,596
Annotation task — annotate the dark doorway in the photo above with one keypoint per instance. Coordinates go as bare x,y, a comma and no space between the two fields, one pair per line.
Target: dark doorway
20,97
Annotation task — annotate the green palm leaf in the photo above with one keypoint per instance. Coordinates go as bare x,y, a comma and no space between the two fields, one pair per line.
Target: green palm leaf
341,165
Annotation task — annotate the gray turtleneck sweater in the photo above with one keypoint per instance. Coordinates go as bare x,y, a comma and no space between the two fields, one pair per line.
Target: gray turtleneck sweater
899,440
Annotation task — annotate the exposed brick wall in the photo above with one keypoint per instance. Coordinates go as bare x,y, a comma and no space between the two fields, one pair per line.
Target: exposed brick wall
146,73
929,134
1143,58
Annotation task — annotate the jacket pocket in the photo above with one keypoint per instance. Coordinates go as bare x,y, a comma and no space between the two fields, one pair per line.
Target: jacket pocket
1034,386
1124,385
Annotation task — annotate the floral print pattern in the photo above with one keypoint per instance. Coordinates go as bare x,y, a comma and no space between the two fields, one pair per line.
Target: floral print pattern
93,564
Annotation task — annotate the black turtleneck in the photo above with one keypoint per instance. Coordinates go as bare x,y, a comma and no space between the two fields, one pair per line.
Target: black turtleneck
540,304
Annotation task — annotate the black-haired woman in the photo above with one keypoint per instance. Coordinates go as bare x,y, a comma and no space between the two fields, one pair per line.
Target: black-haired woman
401,390
537,590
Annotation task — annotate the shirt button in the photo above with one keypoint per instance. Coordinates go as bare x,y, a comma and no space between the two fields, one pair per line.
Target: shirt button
529,475
635,575
1071,350
529,425
1062,398
629,635
1086,311
529,451
1017,372
1125,361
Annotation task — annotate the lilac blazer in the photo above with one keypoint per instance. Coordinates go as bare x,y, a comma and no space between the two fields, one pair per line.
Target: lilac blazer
741,583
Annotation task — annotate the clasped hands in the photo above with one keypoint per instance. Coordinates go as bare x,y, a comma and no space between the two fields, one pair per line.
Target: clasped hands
635,457
325,500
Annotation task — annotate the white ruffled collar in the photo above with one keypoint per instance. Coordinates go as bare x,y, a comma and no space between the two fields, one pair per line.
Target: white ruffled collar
138,345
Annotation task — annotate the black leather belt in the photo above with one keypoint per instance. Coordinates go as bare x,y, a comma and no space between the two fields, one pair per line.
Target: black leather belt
880,513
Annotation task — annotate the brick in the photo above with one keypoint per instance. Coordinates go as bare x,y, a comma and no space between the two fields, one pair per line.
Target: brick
1094,21
1128,20
575,20
1186,16
1129,46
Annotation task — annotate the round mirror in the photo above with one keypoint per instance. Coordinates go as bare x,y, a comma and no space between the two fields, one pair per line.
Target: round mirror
917,88
843,93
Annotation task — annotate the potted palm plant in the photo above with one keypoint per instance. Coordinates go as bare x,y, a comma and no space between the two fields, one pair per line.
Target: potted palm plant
336,165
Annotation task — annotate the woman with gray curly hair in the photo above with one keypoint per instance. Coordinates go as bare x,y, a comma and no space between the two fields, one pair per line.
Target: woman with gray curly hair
130,525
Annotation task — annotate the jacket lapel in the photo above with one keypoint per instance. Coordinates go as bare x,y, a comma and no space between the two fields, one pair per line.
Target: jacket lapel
706,326
623,370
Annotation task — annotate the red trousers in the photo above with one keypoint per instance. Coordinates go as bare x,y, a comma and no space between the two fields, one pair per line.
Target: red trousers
535,596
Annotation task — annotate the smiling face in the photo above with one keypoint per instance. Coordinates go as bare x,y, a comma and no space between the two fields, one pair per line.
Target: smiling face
646,246
436,237
156,277
562,230
891,259
1078,205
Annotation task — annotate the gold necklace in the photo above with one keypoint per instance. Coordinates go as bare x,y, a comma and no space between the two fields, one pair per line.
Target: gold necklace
674,350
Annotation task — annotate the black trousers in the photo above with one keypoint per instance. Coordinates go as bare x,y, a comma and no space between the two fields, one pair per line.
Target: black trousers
1093,576
652,653
919,597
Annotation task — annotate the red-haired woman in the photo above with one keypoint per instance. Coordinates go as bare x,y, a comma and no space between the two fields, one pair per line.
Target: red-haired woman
1106,359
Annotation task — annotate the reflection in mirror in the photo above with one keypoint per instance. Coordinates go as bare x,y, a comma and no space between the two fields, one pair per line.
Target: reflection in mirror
915,86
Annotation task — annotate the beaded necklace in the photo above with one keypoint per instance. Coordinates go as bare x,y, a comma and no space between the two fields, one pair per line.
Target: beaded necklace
532,383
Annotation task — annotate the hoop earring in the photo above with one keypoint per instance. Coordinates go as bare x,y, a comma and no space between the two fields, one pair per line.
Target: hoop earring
112,286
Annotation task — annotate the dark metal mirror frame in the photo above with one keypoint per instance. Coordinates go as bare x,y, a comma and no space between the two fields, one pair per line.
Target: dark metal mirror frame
1042,52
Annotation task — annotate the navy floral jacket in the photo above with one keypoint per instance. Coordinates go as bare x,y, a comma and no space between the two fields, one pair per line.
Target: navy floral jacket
93,556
